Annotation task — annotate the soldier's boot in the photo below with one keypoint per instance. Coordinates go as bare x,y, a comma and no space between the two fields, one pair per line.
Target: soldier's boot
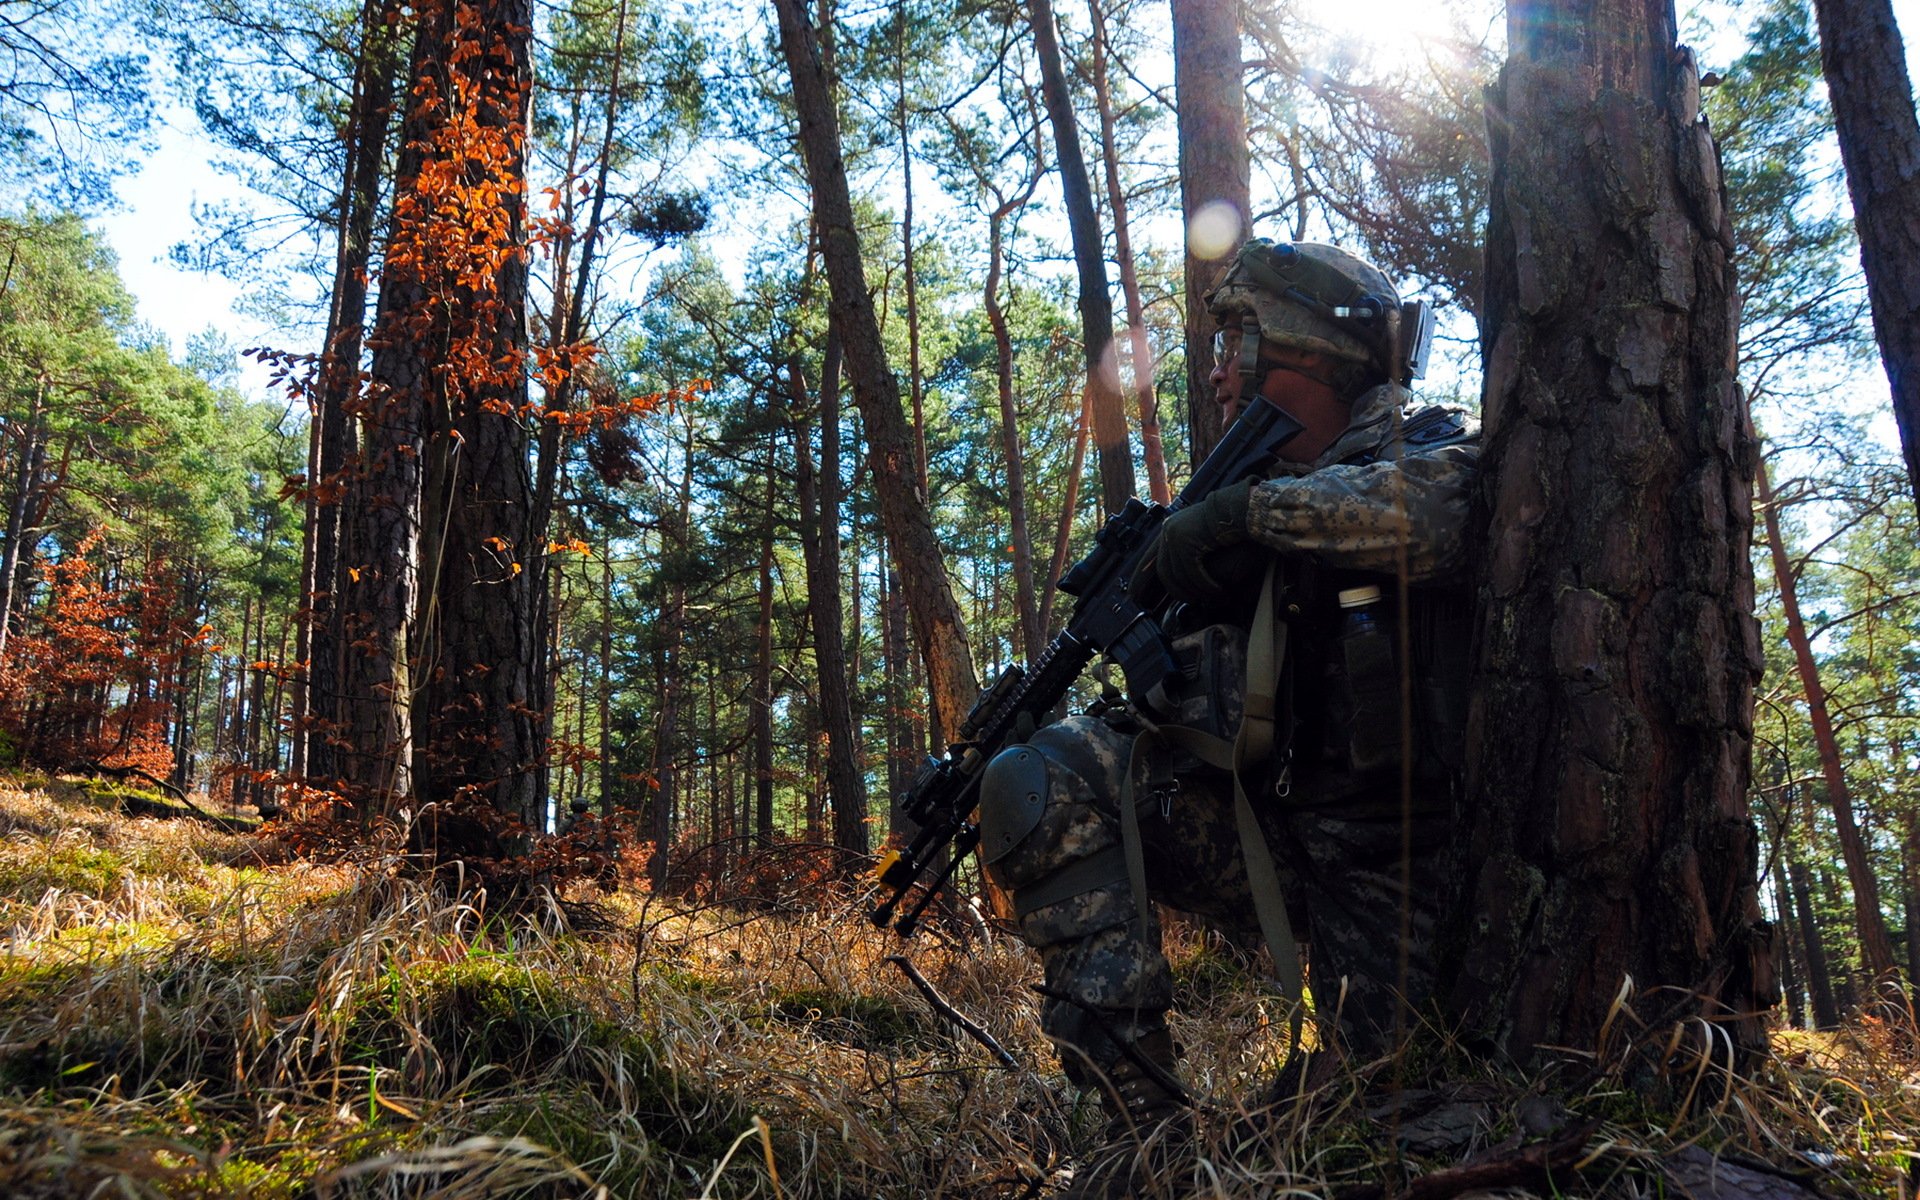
1141,1090
1149,1128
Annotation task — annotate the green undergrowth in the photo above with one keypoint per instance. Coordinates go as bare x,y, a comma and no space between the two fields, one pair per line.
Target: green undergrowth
181,1017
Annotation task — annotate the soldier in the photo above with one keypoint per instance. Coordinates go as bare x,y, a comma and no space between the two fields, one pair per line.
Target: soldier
1366,520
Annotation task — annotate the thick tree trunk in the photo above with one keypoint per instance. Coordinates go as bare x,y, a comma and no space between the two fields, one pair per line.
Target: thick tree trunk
1114,453
1865,65
1876,946
1609,837
937,625
475,727
1146,402
820,544
1213,182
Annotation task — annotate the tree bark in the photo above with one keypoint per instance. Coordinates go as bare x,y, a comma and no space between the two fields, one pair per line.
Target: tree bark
1032,632
1791,988
916,381
1865,65
1910,864
477,725
1114,453
820,544
937,625
1876,946
1826,1009
369,117
763,670
1609,837
1212,126
443,474
31,457
1063,532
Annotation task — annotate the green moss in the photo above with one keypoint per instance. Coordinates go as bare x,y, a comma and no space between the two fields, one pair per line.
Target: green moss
1210,975
28,982
848,1017
489,1012
83,869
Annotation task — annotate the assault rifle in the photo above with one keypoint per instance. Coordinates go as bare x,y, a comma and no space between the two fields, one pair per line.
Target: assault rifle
1107,619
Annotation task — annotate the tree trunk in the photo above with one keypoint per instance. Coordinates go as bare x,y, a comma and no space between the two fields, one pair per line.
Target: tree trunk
763,671
1910,860
1609,837
937,626
1096,305
1876,946
1865,65
476,725
1790,985
1212,124
605,761
916,381
31,457
1826,1008
1063,533
1032,632
340,401
1145,400
820,544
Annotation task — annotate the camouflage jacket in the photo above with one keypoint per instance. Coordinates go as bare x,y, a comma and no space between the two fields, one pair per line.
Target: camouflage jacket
1376,494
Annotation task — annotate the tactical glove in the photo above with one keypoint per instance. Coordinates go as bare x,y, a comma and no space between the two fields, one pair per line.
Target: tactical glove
1190,558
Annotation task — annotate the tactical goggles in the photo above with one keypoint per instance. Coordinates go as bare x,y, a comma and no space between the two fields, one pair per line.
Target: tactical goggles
1240,349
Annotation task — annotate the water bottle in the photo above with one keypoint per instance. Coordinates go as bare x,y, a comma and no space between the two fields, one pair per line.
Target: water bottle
1373,680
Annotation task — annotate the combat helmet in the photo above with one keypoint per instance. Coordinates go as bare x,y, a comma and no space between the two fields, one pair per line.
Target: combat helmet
1311,296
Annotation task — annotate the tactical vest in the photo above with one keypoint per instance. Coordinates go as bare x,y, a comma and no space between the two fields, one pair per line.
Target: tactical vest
1347,697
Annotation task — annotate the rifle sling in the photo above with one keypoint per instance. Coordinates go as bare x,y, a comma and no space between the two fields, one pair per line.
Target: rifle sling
1251,749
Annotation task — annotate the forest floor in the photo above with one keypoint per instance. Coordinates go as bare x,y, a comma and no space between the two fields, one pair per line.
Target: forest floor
189,1011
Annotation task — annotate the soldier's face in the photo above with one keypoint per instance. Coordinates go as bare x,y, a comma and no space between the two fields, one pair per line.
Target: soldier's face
1293,380
1225,377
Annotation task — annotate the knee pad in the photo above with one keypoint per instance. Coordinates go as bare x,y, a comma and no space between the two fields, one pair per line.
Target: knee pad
1013,800
1044,838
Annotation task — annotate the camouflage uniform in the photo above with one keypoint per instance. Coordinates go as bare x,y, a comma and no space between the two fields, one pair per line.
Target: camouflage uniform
1375,505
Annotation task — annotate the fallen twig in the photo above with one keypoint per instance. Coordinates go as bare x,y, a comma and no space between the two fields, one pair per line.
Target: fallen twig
1531,1165
940,1005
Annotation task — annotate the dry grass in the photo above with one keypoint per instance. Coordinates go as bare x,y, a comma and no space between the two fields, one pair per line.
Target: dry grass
178,1018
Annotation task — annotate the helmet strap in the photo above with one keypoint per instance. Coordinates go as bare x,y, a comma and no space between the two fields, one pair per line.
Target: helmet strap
1254,372
1249,364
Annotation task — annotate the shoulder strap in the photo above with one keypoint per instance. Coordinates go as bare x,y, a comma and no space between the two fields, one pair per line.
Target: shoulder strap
1265,720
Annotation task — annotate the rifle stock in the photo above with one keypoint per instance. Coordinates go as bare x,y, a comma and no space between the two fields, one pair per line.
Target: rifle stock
1108,618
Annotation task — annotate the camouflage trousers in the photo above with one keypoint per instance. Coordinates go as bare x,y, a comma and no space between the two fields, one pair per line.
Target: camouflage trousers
1365,871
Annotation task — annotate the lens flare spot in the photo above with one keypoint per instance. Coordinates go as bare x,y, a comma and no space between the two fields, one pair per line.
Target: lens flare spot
1214,230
